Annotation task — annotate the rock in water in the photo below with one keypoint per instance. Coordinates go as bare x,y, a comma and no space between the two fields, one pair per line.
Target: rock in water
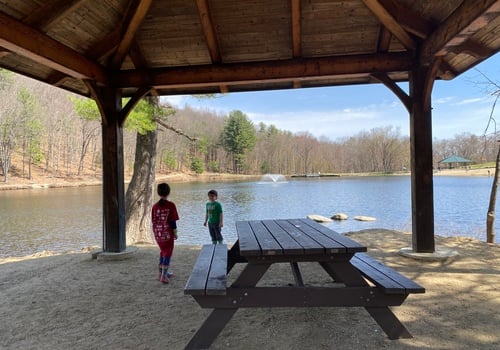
319,218
364,218
340,216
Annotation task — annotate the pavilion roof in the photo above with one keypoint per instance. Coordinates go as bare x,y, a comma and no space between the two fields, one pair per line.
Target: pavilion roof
213,46
455,159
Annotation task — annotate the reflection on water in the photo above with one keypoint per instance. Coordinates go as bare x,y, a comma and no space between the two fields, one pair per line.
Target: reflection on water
64,219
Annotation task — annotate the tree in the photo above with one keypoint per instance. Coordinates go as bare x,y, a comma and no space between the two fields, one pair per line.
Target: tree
139,196
87,111
490,216
238,137
8,125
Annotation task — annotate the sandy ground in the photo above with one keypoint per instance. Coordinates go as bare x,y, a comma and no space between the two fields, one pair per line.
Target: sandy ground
70,301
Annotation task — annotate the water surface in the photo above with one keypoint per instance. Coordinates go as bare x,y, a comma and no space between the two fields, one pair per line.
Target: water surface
62,219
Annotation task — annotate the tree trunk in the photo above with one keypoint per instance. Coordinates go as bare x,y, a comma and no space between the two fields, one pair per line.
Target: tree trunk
139,196
490,217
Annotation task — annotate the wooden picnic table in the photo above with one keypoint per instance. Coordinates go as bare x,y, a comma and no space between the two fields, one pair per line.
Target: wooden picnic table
360,281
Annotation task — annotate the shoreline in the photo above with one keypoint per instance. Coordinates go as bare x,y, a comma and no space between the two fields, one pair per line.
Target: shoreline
17,183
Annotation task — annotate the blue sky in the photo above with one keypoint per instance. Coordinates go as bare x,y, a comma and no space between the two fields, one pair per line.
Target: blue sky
459,105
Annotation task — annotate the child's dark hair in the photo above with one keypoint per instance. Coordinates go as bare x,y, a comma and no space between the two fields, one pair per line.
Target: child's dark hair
212,192
163,191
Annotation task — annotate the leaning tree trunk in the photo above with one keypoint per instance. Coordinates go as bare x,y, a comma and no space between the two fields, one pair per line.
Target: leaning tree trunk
490,218
139,197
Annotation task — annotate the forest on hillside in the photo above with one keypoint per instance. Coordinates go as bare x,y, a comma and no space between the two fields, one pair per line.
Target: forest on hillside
55,130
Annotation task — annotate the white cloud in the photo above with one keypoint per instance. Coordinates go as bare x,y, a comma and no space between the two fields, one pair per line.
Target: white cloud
470,100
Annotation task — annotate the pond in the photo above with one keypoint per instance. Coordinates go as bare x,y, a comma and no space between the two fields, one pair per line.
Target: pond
62,219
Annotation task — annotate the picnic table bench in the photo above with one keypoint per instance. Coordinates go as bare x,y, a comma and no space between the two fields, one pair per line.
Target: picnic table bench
361,281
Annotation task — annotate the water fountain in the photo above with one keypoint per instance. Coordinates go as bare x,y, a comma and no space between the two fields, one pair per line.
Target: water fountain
273,178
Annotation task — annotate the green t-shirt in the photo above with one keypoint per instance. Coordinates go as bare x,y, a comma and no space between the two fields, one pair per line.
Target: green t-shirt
214,209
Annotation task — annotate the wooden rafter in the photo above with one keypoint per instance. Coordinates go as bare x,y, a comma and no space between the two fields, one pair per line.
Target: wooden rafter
296,29
466,20
391,23
209,31
384,40
244,73
410,20
133,20
473,48
38,47
137,56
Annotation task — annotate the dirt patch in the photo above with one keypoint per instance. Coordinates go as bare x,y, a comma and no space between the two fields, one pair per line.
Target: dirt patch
71,301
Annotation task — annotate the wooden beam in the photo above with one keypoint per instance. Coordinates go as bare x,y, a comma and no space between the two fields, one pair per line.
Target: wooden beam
4,52
446,72
409,19
134,19
56,78
123,114
296,29
244,73
209,31
390,23
391,85
422,191
137,57
384,39
465,21
38,47
473,48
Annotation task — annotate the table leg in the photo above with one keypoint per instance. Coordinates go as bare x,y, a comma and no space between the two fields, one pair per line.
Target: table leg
233,256
210,329
346,273
218,318
296,274
388,322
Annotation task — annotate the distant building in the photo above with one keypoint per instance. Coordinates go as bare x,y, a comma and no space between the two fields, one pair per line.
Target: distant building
453,162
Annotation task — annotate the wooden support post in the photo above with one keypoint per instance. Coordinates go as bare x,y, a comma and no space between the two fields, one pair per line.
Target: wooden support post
421,81
113,195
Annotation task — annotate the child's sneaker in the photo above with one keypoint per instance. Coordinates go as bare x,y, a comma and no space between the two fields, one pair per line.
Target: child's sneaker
170,274
164,280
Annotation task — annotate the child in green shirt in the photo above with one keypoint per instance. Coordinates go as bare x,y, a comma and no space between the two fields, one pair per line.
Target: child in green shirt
214,217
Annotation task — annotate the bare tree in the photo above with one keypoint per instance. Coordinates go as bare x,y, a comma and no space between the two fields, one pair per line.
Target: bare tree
490,217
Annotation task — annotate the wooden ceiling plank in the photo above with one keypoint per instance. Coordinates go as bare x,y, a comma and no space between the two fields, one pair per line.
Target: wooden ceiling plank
258,72
390,23
107,44
465,21
135,17
51,13
209,31
28,42
296,29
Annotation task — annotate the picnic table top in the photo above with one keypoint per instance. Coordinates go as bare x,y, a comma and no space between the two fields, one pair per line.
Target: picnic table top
292,237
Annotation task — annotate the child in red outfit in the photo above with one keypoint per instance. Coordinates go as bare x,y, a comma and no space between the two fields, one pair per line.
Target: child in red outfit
163,217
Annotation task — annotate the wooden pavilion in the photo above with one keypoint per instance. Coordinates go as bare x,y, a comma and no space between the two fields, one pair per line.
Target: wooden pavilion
111,49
